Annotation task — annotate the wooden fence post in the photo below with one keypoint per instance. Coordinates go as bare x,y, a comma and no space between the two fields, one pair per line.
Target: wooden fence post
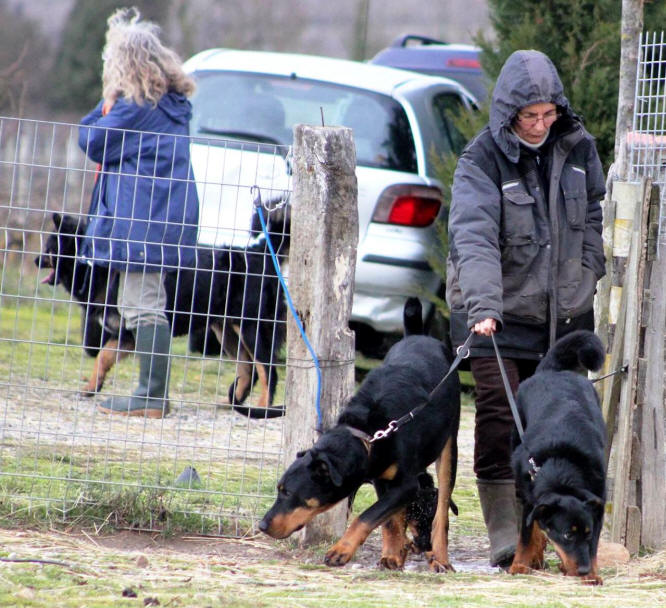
651,406
322,259
624,202
624,490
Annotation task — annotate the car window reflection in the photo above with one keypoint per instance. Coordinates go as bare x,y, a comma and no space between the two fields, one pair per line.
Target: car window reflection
265,109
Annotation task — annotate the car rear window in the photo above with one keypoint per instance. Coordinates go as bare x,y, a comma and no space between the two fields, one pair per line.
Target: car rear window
264,108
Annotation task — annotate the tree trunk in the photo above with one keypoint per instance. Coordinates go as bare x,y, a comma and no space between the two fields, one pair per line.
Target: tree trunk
632,26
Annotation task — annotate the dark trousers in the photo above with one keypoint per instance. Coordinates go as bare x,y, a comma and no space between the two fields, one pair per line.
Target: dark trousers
494,422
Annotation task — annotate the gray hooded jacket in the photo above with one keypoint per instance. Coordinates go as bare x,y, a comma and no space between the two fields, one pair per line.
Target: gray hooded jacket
525,226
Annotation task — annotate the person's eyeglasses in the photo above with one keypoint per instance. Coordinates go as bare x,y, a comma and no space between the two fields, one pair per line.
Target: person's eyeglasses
529,119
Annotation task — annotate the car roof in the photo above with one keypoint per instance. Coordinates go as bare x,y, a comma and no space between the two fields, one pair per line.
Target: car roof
376,78
430,56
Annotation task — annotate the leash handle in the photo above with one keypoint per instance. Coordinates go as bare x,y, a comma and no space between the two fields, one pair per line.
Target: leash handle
462,352
507,388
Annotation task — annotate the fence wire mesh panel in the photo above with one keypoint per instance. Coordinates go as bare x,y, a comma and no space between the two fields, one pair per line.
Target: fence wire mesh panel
65,350
647,141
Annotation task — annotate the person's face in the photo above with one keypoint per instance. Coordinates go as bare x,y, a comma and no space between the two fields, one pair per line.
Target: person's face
533,121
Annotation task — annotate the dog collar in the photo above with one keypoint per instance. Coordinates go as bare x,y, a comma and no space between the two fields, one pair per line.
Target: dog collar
366,440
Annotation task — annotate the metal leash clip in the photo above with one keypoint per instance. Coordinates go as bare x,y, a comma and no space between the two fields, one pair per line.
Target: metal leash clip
534,469
465,347
466,351
270,204
255,192
383,433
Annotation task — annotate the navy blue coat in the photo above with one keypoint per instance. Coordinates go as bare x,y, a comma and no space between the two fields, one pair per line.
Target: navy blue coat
144,211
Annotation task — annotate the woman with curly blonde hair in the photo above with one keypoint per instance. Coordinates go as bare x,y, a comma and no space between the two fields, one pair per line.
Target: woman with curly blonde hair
137,65
144,212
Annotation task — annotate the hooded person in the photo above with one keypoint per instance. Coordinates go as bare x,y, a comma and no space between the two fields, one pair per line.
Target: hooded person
525,254
143,217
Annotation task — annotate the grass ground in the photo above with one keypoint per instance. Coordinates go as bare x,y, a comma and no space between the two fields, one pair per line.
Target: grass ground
77,551
83,566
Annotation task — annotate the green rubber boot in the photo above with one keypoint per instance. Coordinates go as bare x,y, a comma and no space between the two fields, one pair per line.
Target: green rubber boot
151,398
500,512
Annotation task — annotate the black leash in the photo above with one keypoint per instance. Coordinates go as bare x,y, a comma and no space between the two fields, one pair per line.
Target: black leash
534,469
507,389
462,352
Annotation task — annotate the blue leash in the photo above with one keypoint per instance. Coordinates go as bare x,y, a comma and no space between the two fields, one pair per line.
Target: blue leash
292,308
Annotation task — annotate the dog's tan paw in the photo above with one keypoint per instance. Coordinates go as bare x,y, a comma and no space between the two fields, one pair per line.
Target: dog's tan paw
519,569
391,562
90,389
439,565
339,555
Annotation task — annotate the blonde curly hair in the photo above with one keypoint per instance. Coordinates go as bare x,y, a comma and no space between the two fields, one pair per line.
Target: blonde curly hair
137,65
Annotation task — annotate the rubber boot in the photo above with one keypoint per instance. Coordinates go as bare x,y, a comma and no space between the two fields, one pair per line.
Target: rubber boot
150,399
500,512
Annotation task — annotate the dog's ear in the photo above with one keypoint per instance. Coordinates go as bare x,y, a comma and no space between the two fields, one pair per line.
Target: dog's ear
322,467
57,219
543,508
594,503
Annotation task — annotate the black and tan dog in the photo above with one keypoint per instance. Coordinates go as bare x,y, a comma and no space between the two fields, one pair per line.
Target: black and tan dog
231,301
560,466
342,459
420,514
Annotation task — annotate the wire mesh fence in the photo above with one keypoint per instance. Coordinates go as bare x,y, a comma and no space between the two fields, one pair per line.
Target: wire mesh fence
647,140
65,350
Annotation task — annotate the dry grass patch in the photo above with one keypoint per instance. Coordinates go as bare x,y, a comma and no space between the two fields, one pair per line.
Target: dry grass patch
79,569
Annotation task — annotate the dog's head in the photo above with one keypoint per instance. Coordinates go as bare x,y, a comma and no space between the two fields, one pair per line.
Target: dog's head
313,483
60,249
570,523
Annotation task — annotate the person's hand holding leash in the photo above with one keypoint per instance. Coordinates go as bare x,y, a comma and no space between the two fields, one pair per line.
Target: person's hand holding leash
485,327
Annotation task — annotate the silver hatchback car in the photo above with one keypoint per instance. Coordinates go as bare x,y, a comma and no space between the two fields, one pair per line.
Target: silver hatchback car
400,121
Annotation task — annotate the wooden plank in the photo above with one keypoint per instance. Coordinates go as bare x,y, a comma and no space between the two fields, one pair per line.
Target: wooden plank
324,239
618,219
626,196
602,298
625,201
613,384
633,526
653,473
653,226
633,285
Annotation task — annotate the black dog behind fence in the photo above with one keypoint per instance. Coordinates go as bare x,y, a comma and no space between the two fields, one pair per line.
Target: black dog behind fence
230,302
227,318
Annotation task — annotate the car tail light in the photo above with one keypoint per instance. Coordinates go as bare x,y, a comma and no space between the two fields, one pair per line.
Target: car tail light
406,205
461,62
